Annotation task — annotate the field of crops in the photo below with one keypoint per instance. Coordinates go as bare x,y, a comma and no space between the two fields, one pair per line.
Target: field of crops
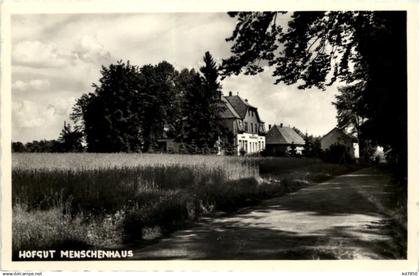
107,200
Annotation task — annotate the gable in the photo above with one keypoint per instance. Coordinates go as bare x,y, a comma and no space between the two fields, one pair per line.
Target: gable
242,107
338,135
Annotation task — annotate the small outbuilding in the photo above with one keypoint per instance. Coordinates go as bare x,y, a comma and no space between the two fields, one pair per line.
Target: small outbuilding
280,141
338,137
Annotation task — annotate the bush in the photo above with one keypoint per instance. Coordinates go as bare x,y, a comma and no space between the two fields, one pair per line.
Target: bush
337,154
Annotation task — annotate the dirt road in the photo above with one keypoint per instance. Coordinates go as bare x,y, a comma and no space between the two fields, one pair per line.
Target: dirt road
344,218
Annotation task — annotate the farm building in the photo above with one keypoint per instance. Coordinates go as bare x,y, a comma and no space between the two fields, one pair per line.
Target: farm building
280,140
338,136
244,123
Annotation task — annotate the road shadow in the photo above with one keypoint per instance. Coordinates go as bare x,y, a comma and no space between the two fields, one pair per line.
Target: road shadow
338,219
219,241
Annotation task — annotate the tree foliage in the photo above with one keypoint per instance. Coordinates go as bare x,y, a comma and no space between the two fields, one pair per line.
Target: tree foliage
109,116
202,105
133,107
37,146
128,109
363,50
70,140
312,146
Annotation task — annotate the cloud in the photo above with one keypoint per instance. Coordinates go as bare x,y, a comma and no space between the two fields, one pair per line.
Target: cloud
89,49
37,85
35,53
27,114
37,120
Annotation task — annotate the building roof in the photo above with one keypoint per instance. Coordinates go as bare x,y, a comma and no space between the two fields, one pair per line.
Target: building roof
241,106
340,132
283,136
227,111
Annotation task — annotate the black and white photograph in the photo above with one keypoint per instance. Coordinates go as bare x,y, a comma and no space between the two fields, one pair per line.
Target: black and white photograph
236,135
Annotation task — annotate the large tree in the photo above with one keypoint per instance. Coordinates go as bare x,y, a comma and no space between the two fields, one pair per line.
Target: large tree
317,49
109,116
128,109
202,105
156,102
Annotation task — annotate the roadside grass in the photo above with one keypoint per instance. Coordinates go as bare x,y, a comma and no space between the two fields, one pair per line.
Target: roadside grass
62,201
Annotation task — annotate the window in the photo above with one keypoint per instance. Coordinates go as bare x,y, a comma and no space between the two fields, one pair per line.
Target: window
246,126
240,126
252,127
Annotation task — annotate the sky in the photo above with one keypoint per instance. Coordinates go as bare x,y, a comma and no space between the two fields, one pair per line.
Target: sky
56,58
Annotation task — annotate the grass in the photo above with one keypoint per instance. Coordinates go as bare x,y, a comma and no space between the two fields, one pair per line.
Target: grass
61,201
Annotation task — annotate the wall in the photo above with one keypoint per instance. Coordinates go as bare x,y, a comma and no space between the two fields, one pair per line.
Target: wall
251,118
251,143
337,137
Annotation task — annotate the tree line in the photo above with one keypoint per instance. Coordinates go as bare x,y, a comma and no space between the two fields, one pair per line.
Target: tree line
69,140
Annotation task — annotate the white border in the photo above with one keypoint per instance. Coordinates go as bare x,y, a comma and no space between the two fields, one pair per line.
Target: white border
28,7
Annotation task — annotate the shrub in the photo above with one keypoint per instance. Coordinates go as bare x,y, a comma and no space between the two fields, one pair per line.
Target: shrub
338,154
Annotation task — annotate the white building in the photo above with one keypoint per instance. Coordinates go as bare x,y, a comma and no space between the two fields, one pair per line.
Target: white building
243,121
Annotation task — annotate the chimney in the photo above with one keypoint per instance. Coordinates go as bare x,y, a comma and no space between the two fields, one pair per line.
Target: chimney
230,93
237,93
269,126
246,100
281,125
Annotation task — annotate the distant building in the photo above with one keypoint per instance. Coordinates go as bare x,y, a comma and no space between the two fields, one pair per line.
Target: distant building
244,123
280,140
338,136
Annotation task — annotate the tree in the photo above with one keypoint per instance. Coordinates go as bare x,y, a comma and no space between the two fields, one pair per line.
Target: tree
70,139
312,146
185,82
129,108
202,104
109,116
43,146
317,49
18,147
155,103
349,105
